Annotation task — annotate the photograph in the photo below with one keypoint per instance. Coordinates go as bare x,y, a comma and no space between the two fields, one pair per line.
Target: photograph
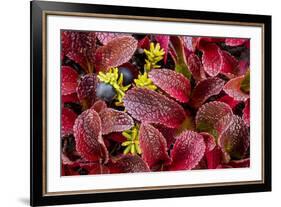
153,102
136,103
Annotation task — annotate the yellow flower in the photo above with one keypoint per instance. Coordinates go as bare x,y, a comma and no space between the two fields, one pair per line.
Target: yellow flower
132,143
144,82
113,78
154,55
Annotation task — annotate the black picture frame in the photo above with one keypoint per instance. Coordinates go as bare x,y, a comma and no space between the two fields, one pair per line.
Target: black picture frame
38,103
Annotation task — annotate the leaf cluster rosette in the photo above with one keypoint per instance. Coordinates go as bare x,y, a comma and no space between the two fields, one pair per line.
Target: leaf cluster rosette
185,104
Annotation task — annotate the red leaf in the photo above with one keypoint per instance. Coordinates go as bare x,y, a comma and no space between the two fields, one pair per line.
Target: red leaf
105,37
189,43
232,88
128,164
86,90
177,51
168,133
246,113
235,139
114,53
243,66
205,89
196,67
67,118
79,46
209,140
99,105
163,40
153,146
151,107
144,43
210,114
213,158
87,133
228,100
211,59
229,64
174,83
116,137
68,80
70,98
235,41
115,121
201,42
188,150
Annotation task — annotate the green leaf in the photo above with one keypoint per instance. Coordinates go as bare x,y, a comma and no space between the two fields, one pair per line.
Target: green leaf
180,59
245,84
205,127
183,69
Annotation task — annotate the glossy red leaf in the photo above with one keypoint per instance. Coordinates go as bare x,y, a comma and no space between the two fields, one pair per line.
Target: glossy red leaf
151,107
116,52
86,90
70,98
87,133
116,137
99,105
228,100
177,51
201,42
69,80
173,83
235,139
211,59
67,118
188,150
196,67
243,66
128,164
213,158
163,40
209,140
144,43
235,41
153,146
232,88
189,43
79,46
211,117
168,133
205,89
115,121
105,37
229,64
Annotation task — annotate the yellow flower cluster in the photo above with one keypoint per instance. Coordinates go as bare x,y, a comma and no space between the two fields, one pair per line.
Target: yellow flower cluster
132,143
144,82
113,78
154,55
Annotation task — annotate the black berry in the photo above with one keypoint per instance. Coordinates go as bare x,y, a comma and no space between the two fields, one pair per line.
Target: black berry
105,92
128,76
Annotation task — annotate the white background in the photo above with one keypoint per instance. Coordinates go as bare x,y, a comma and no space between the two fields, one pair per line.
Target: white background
14,109
57,183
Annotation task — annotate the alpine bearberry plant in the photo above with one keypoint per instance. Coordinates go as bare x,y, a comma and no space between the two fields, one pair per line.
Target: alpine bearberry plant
144,103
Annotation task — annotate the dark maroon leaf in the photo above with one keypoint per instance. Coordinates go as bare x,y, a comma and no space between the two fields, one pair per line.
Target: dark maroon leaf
153,146
151,107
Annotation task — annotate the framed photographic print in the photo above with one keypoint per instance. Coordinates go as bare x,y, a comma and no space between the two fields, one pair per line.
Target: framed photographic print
138,103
